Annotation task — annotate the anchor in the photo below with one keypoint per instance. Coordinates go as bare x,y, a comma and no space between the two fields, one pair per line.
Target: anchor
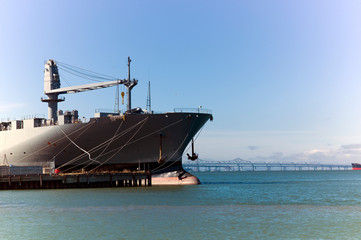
161,159
194,155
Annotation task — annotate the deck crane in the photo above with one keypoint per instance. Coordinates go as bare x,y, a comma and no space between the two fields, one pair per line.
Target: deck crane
52,88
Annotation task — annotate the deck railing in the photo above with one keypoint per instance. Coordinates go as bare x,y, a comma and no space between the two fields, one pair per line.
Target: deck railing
193,110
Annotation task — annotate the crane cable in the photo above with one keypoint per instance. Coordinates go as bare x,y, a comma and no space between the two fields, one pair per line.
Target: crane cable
81,71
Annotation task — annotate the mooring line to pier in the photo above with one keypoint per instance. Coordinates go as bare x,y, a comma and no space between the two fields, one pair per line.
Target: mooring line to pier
88,126
152,133
78,146
144,121
111,140
97,147
19,160
132,142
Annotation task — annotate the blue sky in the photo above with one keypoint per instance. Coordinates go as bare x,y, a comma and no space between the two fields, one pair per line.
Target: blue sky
282,78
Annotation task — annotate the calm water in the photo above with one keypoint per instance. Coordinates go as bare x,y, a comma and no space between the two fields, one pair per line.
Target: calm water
228,205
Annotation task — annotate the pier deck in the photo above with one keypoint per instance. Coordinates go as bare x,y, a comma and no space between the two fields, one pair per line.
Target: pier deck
59,181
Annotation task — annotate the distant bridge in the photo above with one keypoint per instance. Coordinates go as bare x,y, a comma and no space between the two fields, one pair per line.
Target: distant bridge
241,165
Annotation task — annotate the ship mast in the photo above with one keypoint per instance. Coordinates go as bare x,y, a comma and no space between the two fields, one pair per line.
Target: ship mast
129,85
149,101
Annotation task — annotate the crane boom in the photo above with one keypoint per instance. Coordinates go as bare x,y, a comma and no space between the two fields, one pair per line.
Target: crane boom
52,88
85,87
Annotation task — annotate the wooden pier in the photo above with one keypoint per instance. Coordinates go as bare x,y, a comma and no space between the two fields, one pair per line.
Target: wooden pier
84,180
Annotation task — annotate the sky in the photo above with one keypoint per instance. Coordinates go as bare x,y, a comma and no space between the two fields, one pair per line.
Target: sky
282,78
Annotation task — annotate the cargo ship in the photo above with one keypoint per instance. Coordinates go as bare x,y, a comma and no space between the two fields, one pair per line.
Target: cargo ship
135,140
356,166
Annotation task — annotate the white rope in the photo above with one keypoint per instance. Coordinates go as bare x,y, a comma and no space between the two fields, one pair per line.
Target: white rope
117,137
152,133
78,146
117,150
111,140
19,160
63,149
97,147
144,121
132,142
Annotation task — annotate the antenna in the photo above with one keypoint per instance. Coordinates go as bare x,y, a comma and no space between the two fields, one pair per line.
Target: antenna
149,107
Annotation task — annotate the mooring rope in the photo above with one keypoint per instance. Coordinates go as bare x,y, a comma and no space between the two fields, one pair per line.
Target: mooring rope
97,148
132,142
78,145
144,121
46,146
129,142
111,140
64,148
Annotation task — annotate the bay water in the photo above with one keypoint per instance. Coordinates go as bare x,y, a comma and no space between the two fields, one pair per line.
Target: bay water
227,205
